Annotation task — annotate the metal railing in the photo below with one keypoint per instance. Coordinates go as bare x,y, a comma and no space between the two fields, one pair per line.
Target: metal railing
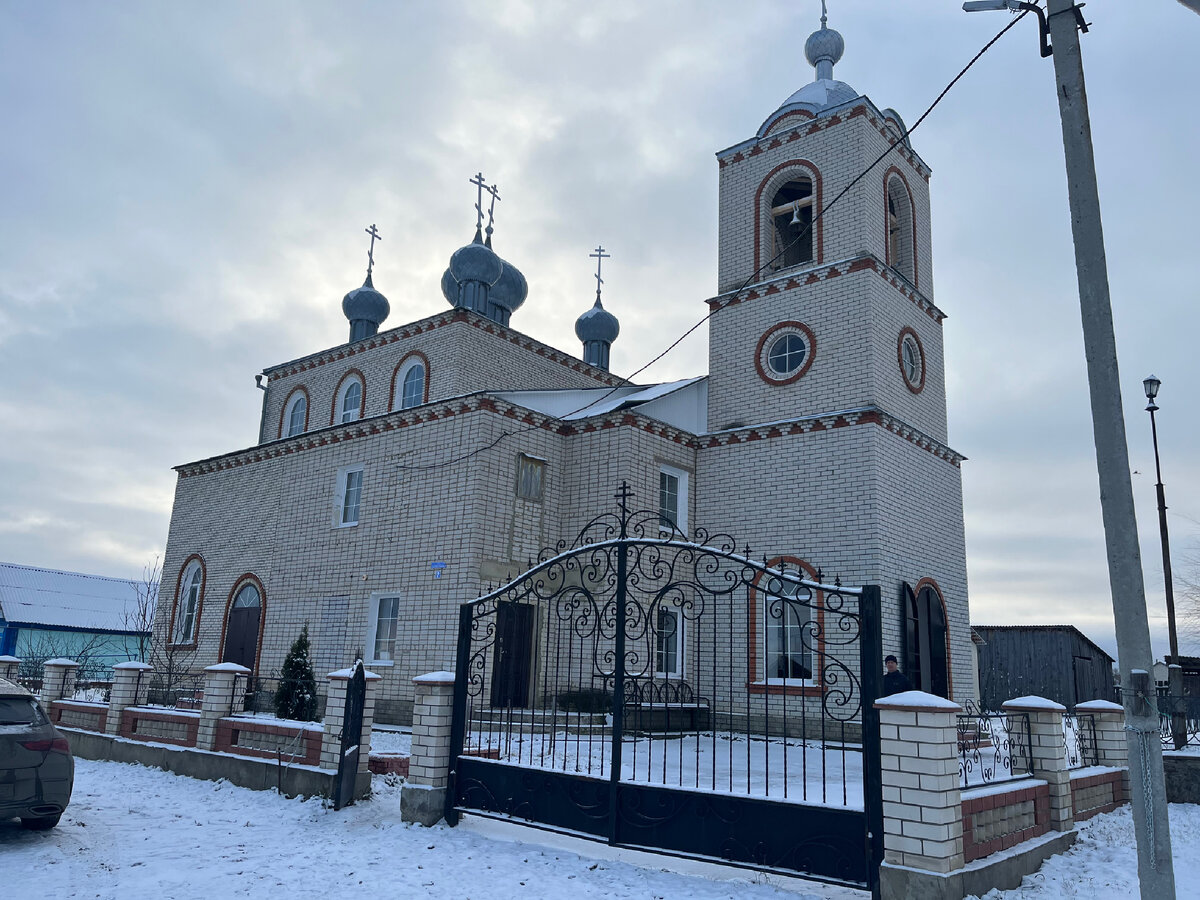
993,747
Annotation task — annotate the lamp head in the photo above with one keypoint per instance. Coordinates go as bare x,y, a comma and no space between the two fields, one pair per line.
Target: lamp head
987,5
1150,383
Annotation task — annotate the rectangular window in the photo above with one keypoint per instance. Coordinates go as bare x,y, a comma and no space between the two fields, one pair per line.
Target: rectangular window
672,498
386,623
789,639
349,496
668,642
530,477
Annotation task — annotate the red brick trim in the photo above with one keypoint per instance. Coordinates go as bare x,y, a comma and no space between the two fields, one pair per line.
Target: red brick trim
792,114
242,581
912,208
228,731
337,392
396,372
920,386
99,713
752,680
1038,793
1119,793
764,371
283,411
818,205
937,590
132,715
199,604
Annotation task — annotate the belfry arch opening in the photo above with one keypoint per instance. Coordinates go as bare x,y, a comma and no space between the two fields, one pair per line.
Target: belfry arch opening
791,214
901,246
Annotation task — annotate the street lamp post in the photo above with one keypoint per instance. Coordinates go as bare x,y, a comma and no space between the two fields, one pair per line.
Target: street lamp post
1174,670
1059,26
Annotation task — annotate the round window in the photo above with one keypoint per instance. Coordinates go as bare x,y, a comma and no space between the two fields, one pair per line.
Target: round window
785,352
911,356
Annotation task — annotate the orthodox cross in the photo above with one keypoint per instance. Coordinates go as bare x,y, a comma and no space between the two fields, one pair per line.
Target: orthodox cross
599,256
494,190
375,235
824,14
480,184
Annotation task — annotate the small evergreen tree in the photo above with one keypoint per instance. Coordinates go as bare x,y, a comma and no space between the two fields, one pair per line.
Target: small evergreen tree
297,694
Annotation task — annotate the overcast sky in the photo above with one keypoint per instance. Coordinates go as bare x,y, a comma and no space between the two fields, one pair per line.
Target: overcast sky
185,188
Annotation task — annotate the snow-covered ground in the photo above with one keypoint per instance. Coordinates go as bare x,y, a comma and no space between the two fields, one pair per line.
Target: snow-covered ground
134,831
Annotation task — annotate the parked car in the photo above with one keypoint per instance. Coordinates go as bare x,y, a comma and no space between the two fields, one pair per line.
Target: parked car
36,768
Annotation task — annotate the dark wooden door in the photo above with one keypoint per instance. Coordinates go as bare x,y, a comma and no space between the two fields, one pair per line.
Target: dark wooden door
513,660
241,629
925,661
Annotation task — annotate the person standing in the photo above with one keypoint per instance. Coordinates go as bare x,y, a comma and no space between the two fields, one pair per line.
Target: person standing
895,681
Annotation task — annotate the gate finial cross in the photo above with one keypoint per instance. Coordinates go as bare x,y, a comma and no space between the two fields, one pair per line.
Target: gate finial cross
622,497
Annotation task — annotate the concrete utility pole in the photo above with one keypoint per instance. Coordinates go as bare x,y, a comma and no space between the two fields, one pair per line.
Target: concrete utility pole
1147,792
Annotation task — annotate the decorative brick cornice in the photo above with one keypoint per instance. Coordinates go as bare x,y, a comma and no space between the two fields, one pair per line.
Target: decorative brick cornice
441,320
754,146
823,272
867,415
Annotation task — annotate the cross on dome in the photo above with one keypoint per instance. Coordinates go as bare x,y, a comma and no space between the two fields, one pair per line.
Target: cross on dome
599,256
375,235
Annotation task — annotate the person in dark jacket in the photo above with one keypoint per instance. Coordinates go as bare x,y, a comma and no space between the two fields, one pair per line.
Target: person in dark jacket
894,682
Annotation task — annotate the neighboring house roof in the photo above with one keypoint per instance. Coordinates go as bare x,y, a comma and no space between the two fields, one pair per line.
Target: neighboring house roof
33,596
985,630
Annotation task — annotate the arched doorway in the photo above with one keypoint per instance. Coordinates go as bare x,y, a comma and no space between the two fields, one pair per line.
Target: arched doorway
926,663
242,626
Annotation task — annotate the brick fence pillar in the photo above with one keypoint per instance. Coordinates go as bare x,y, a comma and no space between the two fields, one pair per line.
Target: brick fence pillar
335,712
9,666
224,691
58,680
131,684
1048,754
1112,748
423,798
922,802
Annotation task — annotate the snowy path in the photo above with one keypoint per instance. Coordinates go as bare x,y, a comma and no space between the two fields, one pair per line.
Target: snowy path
134,831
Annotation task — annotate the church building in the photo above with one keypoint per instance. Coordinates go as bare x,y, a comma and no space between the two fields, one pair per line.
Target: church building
410,469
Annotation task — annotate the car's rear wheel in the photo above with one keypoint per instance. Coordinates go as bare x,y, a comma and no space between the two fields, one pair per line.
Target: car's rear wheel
41,823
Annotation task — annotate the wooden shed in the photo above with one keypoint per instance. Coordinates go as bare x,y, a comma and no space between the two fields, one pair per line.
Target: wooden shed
1058,662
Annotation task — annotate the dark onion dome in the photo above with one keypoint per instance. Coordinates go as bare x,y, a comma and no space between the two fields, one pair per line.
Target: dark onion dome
476,262
511,289
597,324
365,304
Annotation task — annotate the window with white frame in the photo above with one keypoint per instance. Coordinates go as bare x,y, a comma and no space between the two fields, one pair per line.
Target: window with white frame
383,627
188,603
349,496
350,402
668,642
531,476
296,416
408,385
790,637
672,498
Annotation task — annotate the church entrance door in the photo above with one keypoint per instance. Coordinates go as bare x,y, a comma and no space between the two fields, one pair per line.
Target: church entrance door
925,661
241,628
513,655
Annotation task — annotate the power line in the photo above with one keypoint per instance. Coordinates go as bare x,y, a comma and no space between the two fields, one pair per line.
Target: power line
715,309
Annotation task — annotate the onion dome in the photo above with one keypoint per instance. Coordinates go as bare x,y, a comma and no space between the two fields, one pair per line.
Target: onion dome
476,262
823,49
597,324
479,280
510,290
366,309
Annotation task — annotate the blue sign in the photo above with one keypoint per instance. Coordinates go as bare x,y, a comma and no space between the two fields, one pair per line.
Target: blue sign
437,568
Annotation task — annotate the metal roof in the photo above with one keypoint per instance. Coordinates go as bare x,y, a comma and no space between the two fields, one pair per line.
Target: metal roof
33,596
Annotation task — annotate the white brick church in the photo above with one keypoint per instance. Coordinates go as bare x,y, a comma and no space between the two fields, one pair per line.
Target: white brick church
405,471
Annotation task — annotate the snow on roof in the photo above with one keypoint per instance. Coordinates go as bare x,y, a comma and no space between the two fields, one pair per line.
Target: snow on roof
572,405
33,596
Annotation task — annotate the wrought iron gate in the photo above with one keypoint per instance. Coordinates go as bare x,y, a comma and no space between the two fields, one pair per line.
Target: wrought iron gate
658,692
347,773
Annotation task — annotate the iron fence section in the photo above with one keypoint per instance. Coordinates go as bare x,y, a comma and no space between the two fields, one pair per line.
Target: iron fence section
173,690
1187,708
992,747
1079,740
261,691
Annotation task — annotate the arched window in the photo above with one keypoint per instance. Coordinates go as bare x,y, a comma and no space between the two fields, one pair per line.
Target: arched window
785,630
187,603
349,404
791,213
926,661
410,381
901,248
295,415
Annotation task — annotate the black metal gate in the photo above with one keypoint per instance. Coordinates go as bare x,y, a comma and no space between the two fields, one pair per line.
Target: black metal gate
347,773
671,694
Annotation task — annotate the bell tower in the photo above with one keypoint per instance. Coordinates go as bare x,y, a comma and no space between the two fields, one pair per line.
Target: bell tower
826,300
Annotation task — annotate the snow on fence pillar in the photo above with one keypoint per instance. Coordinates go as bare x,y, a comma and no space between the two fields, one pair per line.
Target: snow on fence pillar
224,691
9,666
1111,746
58,680
335,713
423,798
131,684
922,803
1047,754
